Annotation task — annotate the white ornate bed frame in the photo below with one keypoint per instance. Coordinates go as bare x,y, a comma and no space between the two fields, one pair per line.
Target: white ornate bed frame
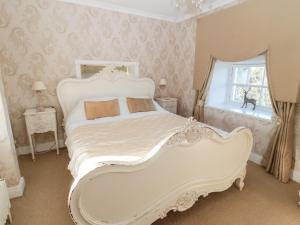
193,162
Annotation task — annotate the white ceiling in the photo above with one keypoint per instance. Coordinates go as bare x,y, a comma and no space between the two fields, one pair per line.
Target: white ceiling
159,9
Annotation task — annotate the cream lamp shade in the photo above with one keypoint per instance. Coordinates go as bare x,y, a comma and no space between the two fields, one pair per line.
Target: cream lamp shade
38,86
163,82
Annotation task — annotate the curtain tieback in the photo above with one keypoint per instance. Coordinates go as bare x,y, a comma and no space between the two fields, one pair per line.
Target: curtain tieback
276,119
200,102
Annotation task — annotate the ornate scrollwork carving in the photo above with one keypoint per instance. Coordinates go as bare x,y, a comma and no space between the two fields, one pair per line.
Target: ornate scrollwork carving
184,202
190,133
188,199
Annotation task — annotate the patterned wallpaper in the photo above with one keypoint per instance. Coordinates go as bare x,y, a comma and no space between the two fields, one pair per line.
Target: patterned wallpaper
41,39
262,130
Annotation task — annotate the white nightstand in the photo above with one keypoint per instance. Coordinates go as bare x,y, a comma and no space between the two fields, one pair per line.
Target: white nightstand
168,103
4,203
40,122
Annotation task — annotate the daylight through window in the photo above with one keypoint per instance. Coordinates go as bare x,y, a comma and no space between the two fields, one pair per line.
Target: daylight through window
236,83
252,78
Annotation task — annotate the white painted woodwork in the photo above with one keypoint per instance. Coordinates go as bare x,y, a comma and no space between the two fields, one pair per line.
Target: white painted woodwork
159,9
4,204
101,86
193,162
8,154
40,122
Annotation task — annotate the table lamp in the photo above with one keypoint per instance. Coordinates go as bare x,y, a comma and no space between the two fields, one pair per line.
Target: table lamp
38,87
163,82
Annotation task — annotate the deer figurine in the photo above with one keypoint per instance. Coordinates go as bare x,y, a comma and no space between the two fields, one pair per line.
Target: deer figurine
248,100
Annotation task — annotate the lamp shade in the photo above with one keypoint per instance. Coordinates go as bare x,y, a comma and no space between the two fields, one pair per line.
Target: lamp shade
163,82
38,86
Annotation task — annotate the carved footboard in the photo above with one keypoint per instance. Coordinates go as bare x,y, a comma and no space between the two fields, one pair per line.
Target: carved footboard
191,163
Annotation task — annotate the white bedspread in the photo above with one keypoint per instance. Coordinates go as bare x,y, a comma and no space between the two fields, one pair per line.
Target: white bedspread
129,139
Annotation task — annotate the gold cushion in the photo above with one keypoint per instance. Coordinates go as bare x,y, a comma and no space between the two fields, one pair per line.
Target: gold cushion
140,105
99,109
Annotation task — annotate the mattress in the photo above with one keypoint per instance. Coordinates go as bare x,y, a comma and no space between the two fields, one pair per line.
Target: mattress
118,140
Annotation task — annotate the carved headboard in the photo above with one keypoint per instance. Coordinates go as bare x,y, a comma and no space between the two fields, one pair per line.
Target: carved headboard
71,91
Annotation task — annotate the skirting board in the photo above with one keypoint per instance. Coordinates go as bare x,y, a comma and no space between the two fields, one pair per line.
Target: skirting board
256,158
296,176
24,150
18,190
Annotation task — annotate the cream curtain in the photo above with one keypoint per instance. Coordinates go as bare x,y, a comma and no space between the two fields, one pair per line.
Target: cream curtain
279,159
201,94
240,42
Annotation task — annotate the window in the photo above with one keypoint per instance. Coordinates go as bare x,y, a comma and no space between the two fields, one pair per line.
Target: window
252,78
231,79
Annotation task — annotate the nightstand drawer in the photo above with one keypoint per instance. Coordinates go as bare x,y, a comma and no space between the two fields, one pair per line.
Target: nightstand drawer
41,123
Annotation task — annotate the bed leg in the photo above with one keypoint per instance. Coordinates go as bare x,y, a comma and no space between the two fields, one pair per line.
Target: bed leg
239,182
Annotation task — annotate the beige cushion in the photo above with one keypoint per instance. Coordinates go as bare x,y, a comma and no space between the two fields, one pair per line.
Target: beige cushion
140,105
99,109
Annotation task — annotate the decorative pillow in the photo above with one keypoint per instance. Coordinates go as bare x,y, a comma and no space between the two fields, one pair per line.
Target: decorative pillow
99,109
140,105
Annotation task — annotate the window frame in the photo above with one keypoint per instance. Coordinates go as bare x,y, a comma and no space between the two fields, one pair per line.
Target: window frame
232,84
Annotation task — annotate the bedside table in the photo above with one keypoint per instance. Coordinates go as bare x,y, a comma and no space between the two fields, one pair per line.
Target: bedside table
168,103
5,204
40,122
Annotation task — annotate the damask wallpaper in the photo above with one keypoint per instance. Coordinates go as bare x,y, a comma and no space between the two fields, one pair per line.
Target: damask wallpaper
41,39
263,130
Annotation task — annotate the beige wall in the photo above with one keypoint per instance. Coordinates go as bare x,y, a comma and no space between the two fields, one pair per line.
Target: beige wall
247,30
297,138
41,39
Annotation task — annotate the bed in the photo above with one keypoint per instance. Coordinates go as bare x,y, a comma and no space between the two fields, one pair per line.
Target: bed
135,168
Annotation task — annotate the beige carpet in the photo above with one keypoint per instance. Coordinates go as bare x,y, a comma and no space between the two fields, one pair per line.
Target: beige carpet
264,201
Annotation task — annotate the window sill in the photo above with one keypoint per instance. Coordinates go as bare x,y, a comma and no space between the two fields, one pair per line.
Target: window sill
258,113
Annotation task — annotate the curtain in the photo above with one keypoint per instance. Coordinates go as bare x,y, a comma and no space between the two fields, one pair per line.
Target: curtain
201,94
279,158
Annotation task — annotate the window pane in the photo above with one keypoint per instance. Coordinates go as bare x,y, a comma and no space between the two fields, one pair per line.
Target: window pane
256,75
266,100
237,94
255,93
266,81
240,75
